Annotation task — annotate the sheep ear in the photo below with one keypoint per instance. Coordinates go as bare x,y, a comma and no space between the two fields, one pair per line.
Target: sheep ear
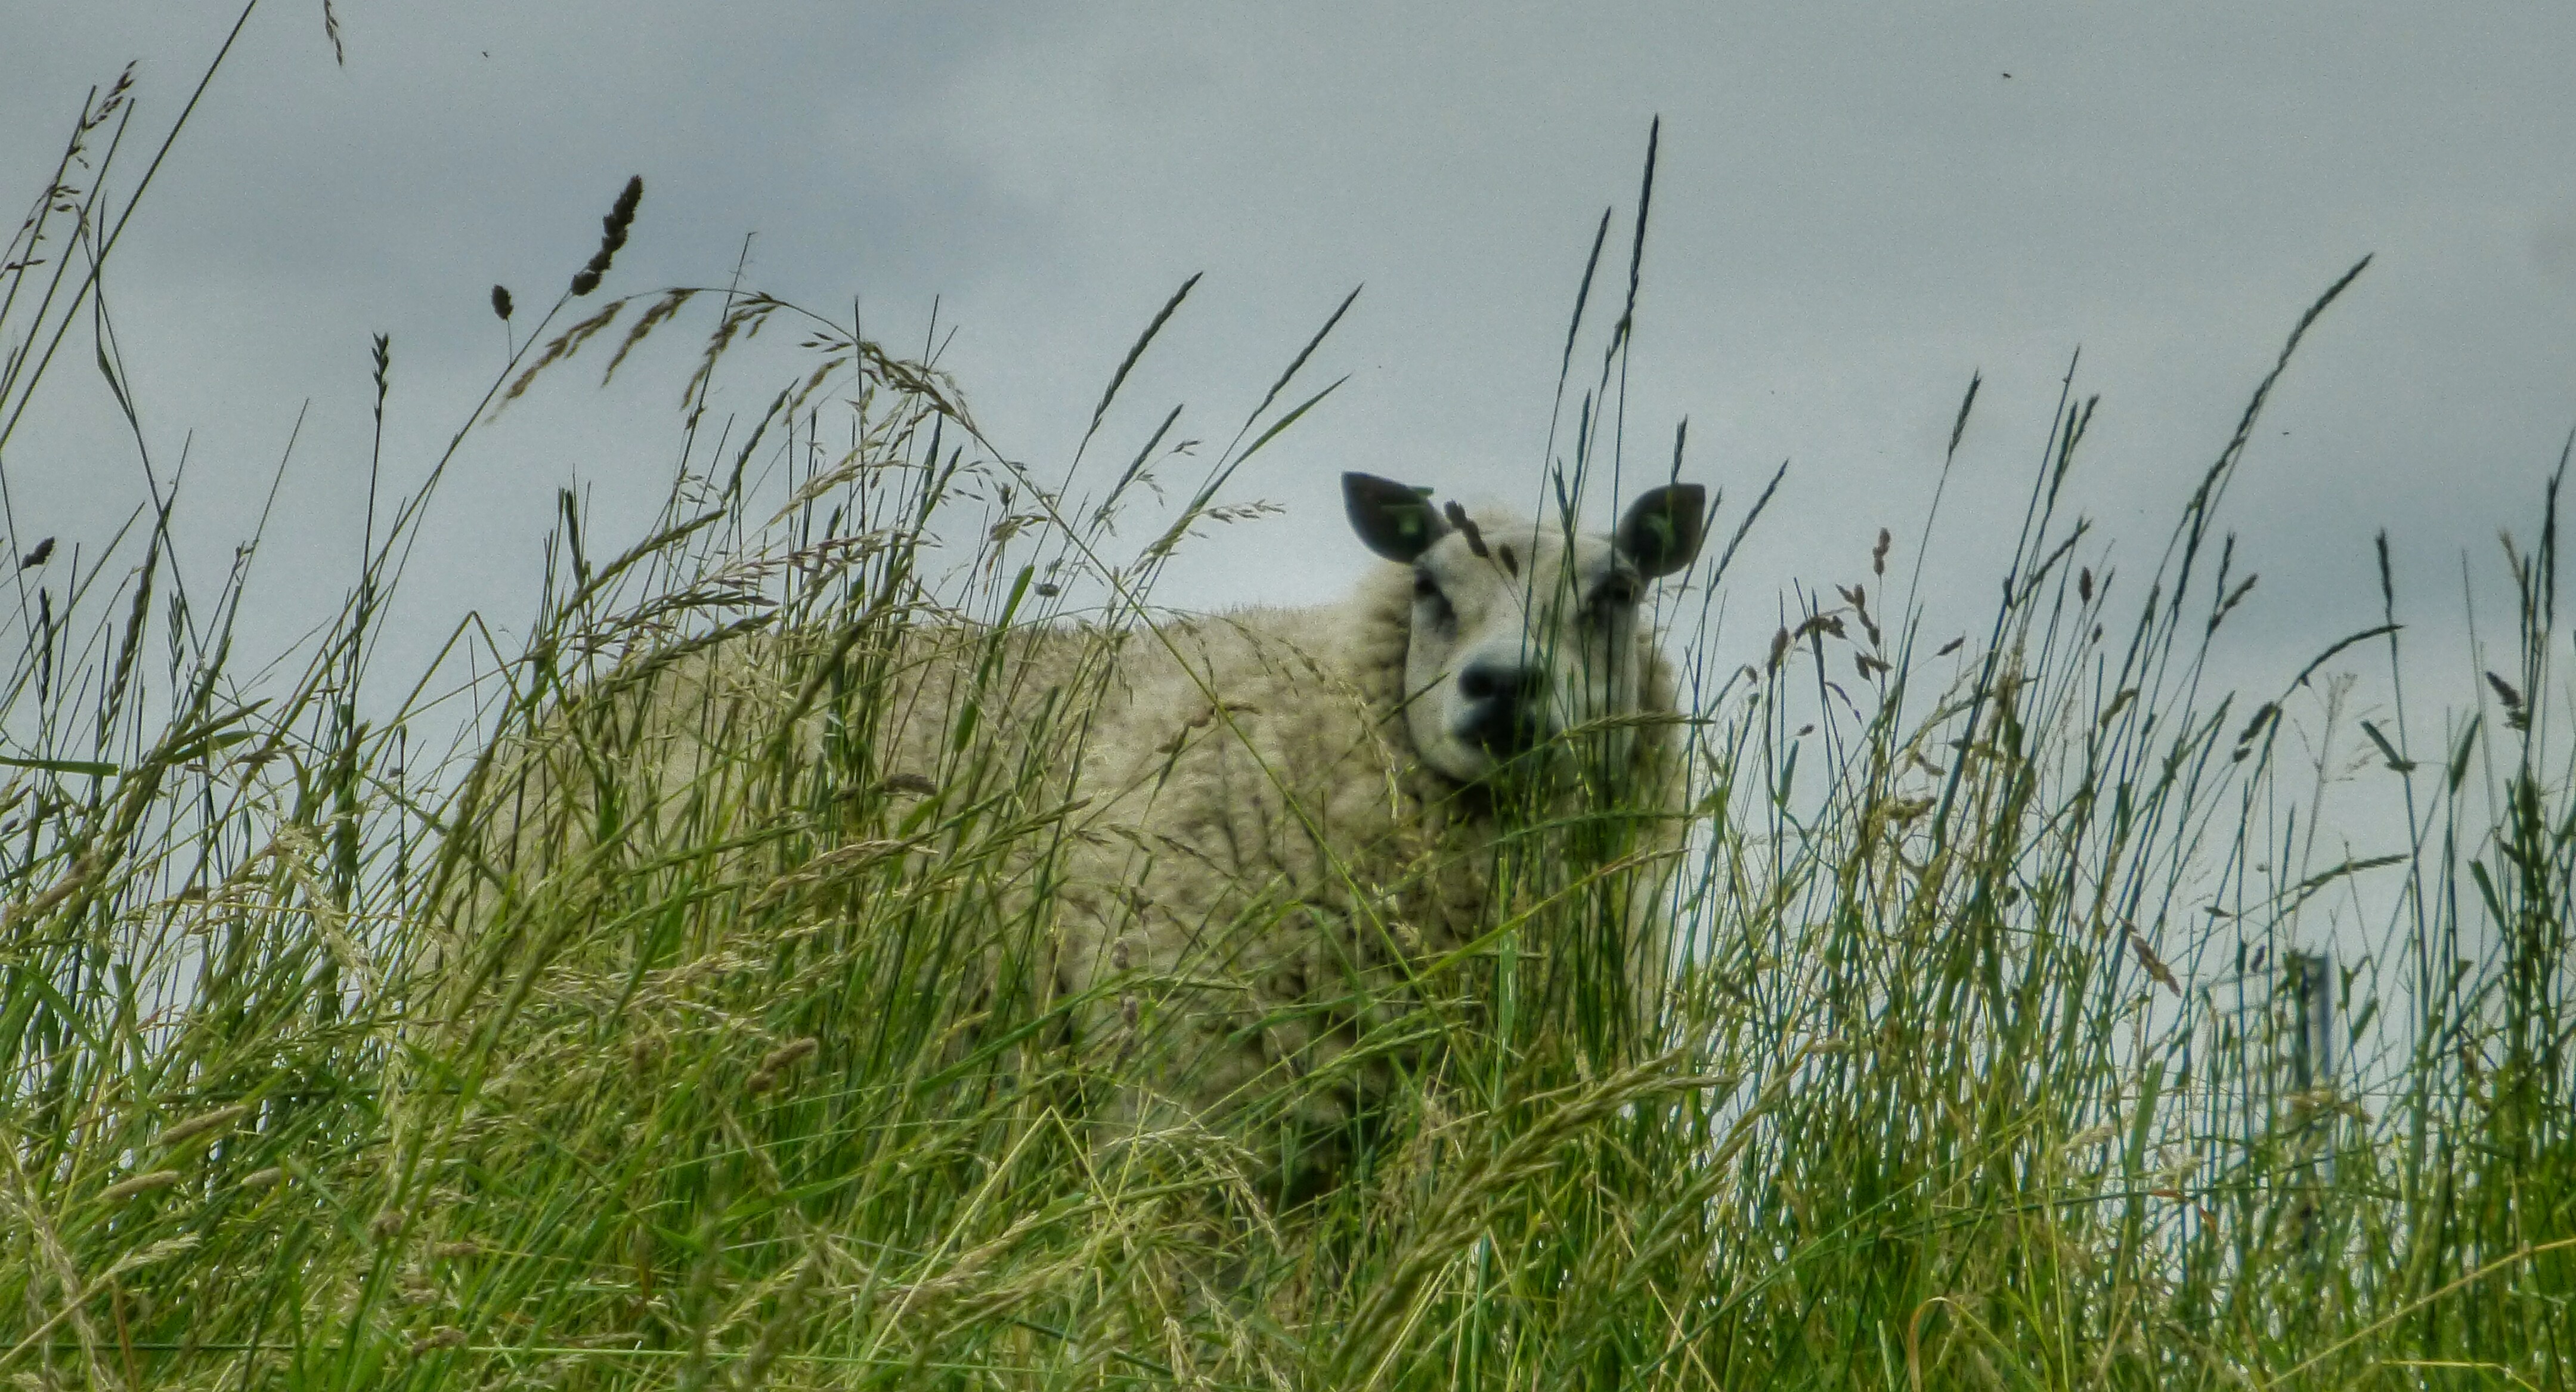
1396,520
1663,529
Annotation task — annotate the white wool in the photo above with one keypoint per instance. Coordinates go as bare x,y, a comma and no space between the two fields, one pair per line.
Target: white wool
1259,857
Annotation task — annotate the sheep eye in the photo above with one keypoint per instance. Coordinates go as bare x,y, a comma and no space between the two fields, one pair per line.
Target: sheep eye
1427,591
1616,593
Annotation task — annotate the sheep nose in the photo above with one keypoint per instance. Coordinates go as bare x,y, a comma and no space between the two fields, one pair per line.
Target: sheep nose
1506,707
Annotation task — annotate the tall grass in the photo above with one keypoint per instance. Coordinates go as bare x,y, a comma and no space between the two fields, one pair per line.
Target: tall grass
310,1076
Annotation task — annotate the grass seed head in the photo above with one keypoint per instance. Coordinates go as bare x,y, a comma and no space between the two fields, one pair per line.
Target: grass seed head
204,1122
140,1184
1466,526
2154,965
445,1337
612,236
622,214
789,1055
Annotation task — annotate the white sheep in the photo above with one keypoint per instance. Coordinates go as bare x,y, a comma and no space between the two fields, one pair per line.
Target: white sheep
1280,815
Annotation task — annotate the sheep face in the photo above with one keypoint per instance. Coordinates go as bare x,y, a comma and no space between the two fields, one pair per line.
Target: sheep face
1521,633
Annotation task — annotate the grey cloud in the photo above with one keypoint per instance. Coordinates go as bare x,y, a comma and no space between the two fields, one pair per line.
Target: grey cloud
1856,210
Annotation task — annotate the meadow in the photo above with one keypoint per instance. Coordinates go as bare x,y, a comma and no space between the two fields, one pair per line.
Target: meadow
1994,1060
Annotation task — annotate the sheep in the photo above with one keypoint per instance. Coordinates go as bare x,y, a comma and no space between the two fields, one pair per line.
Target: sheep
1332,777
1271,818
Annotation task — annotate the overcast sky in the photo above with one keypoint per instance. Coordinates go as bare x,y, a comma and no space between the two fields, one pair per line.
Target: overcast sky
1857,208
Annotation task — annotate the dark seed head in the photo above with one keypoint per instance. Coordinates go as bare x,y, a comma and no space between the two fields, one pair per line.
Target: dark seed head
612,236
1467,527
622,215
501,301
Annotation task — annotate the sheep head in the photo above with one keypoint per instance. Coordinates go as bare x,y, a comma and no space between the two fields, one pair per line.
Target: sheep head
1522,632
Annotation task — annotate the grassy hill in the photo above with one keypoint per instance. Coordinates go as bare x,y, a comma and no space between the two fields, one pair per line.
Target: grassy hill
1991,1065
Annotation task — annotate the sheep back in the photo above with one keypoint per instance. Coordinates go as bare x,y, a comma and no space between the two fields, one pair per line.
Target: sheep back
1249,870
